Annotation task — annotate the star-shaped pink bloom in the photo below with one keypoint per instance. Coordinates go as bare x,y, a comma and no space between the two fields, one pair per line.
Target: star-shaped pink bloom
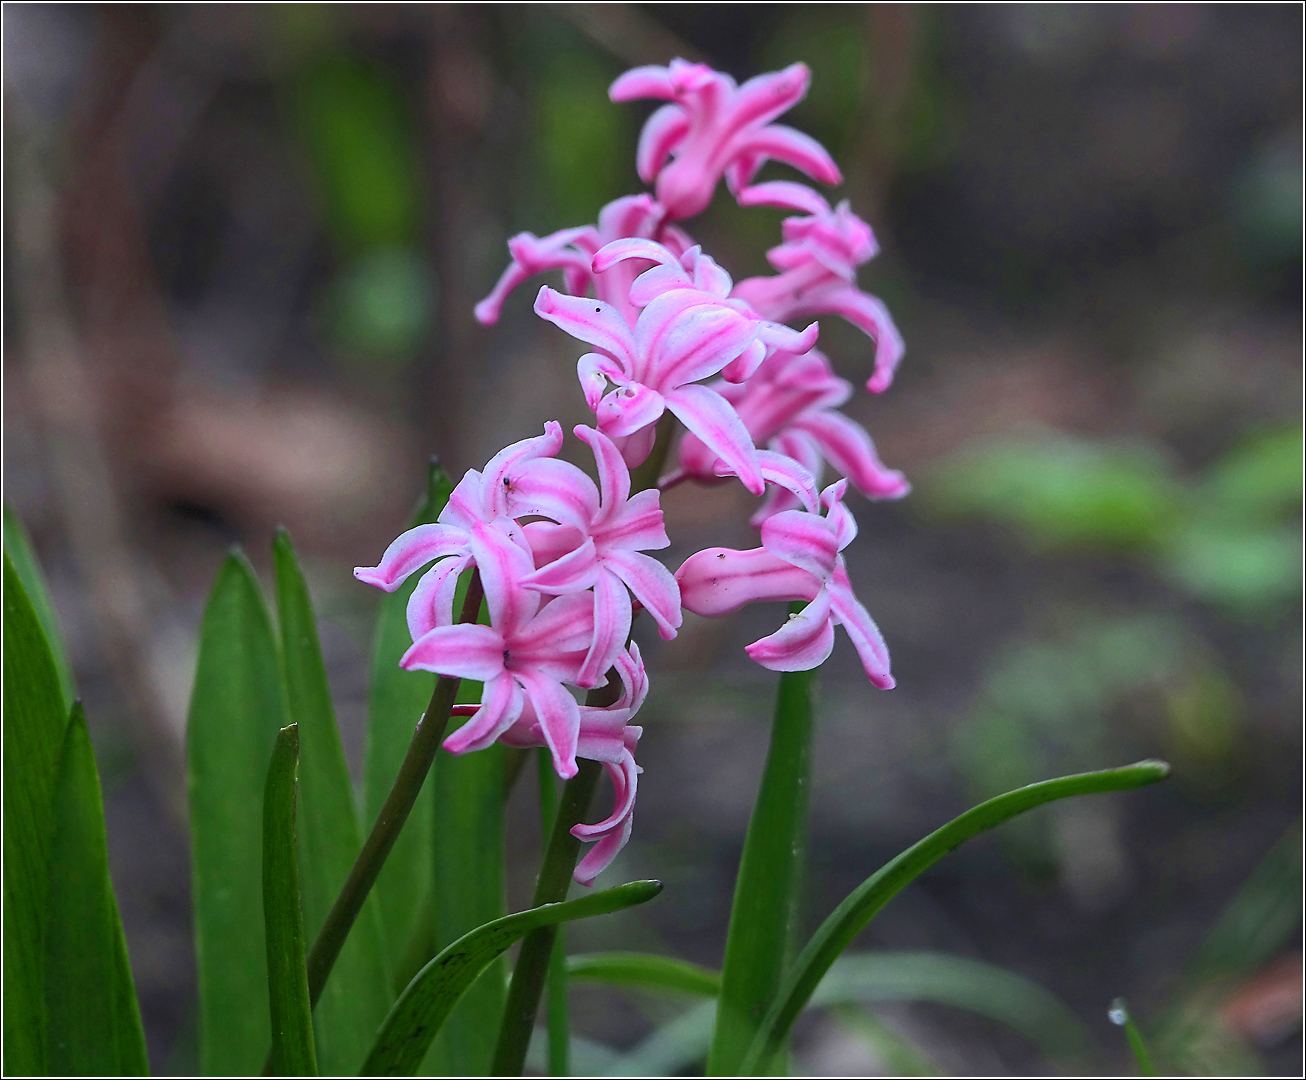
606,735
789,405
571,251
818,263
715,128
526,654
603,531
490,498
682,335
799,560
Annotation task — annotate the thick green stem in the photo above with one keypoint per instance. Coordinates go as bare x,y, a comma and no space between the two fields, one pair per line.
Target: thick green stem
770,875
550,888
398,804
555,986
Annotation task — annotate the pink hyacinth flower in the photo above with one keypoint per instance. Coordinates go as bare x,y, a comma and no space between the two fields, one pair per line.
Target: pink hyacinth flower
681,337
489,497
606,735
602,531
799,560
526,654
715,128
572,250
818,271
789,406
693,275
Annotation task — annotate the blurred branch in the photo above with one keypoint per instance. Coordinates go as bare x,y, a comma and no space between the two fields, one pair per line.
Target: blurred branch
65,401
628,34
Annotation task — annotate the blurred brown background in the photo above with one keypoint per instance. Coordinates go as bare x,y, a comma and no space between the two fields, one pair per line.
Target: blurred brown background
242,245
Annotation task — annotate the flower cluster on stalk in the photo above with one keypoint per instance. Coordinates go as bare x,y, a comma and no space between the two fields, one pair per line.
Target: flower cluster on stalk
561,559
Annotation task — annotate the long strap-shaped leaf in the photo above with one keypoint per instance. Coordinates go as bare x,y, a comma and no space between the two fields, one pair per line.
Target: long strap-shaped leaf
355,997
423,1007
236,709
293,1052
34,724
645,971
94,1023
770,871
18,546
862,904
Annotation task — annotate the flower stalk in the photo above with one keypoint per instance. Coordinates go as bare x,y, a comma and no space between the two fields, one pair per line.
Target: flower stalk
398,804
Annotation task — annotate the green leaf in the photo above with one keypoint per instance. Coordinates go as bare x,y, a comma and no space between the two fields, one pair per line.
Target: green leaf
236,709
395,702
291,1013
850,917
897,1055
19,546
645,971
93,1021
1119,1015
766,891
1260,478
555,985
979,988
34,723
356,995
424,1006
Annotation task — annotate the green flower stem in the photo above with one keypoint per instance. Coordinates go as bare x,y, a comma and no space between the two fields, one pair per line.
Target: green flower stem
394,812
555,985
529,975
762,917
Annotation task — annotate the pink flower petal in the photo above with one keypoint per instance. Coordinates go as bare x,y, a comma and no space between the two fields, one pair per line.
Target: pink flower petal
629,409
849,449
793,148
559,718
786,195
592,321
572,572
717,581
804,642
601,855
467,650
649,81
431,604
503,565
499,472
594,371
614,476
682,344
563,628
411,551
803,539
764,97
713,419
666,127
652,583
554,489
861,629
501,704
549,542
612,614
639,526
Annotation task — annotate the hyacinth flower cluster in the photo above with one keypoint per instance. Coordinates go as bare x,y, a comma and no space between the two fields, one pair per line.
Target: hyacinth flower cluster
563,560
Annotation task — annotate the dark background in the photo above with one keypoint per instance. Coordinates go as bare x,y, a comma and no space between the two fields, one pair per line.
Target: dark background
242,247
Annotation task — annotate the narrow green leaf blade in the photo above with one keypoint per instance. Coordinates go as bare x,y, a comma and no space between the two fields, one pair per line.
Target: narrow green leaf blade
237,707
645,971
356,996
19,546
34,722
291,1013
862,904
963,983
767,888
395,701
93,1021
425,1005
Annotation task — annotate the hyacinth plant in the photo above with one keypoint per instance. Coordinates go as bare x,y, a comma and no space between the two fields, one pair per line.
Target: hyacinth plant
506,635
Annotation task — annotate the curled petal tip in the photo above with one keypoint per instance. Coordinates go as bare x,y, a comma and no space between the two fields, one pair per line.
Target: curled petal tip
368,576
